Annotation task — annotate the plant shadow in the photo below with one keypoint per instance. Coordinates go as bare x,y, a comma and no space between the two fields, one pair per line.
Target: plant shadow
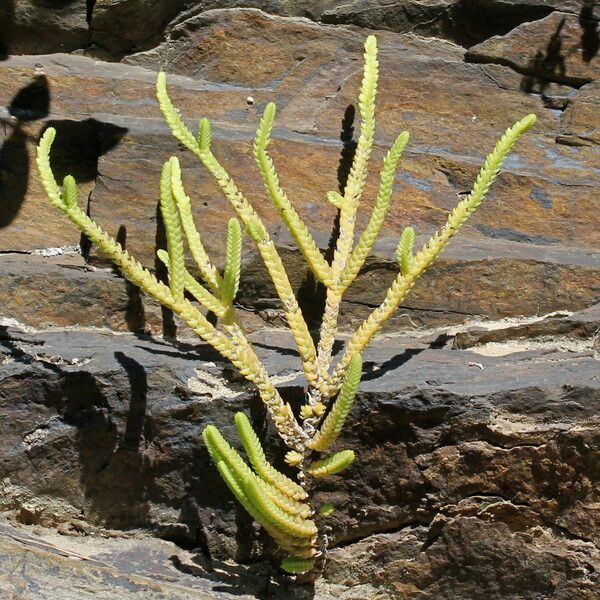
546,66
112,468
30,103
590,36
261,579
113,465
373,370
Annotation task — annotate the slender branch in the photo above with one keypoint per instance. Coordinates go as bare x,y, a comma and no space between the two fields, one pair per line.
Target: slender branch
349,205
254,226
421,261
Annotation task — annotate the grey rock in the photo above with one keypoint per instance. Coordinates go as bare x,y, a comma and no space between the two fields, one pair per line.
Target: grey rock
464,22
455,561
39,563
31,27
579,331
105,429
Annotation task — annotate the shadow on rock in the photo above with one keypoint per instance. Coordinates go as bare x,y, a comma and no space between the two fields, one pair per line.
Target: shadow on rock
79,145
77,149
590,36
261,580
312,293
169,326
7,17
373,370
31,103
134,311
546,66
113,469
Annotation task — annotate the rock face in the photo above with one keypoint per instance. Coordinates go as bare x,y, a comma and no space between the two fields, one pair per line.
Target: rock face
579,122
476,428
538,231
106,568
559,54
33,27
493,450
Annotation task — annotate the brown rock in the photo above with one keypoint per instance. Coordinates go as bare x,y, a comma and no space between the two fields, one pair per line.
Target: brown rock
550,49
118,26
466,23
580,124
125,26
527,232
63,291
458,563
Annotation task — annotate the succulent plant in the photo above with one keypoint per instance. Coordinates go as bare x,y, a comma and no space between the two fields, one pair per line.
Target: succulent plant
281,504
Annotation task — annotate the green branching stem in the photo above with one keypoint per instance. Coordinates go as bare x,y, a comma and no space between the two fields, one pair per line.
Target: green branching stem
380,209
233,262
174,235
208,271
330,465
260,463
404,250
197,290
288,213
253,225
421,261
349,205
279,503
239,353
333,423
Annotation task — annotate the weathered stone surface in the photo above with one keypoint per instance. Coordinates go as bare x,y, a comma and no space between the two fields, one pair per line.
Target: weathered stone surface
120,25
27,219
580,124
105,429
118,28
551,49
33,27
531,233
113,28
471,280
457,561
478,467
577,332
397,566
112,19
418,81
38,563
464,22
64,291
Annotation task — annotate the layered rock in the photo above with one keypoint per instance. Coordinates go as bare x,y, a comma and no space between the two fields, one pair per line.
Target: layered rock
492,449
31,27
559,53
538,230
478,471
579,123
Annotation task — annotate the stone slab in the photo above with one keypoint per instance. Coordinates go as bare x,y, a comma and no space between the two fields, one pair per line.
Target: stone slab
105,429
559,52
